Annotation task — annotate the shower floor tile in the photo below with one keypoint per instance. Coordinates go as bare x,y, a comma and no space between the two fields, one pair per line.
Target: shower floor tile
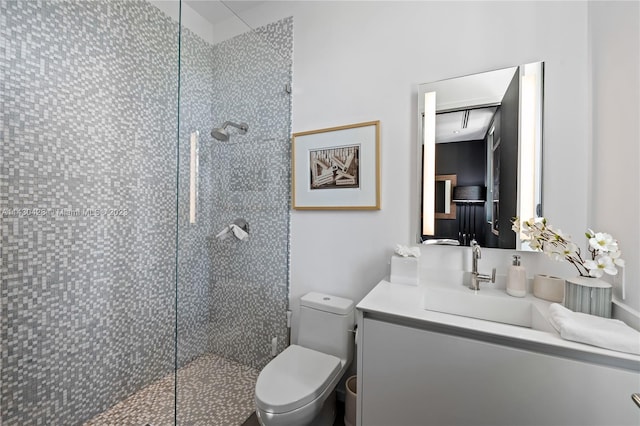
212,391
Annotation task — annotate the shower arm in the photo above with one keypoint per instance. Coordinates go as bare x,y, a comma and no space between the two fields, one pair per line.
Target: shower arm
242,126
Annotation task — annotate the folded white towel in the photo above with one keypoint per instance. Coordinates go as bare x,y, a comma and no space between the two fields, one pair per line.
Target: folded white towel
597,331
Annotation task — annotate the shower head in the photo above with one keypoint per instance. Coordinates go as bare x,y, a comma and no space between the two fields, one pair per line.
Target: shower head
221,134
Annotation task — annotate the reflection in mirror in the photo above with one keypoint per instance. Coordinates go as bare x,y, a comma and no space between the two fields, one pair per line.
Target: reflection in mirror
445,207
485,130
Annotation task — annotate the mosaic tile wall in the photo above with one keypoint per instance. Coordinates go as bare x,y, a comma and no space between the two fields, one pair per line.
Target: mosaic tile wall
251,181
88,121
232,295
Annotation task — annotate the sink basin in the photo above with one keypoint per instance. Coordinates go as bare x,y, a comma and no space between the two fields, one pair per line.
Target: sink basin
486,304
448,292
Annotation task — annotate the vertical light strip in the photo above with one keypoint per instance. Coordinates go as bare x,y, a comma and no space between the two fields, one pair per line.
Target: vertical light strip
193,177
489,176
537,69
528,135
447,196
429,164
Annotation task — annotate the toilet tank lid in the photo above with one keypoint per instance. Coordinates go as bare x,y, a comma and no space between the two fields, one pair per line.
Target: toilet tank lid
327,303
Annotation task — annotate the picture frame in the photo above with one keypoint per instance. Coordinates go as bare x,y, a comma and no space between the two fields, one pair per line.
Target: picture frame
448,206
336,168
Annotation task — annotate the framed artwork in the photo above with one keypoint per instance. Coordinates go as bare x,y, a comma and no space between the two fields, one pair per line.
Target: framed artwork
445,207
337,168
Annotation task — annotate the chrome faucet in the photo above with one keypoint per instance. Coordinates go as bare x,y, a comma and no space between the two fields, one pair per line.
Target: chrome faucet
476,277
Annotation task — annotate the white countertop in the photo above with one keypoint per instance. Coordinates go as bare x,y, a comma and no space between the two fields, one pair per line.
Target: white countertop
405,302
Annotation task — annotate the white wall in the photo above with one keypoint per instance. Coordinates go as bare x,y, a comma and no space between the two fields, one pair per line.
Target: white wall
615,82
361,61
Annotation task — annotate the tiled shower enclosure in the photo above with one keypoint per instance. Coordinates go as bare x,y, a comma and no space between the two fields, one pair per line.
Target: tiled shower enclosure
105,286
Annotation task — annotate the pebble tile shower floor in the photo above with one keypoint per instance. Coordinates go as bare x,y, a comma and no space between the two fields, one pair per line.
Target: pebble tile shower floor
212,391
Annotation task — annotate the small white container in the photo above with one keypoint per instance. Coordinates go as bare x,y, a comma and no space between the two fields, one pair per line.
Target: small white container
548,288
351,392
404,270
517,279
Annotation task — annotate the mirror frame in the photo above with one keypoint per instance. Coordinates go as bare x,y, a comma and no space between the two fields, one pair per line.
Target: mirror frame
530,142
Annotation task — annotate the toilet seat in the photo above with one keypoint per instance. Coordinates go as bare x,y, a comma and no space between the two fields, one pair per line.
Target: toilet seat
294,378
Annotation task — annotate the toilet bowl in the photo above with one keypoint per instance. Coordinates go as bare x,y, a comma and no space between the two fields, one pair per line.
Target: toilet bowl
298,386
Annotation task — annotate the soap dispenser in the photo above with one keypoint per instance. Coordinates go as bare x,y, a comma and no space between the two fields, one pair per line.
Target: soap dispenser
516,279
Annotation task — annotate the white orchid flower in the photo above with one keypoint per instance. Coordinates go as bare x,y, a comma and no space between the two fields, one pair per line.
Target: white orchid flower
542,236
601,264
592,267
603,242
535,244
552,251
570,250
615,256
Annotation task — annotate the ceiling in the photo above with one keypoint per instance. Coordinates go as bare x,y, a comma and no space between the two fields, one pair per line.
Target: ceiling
216,11
451,127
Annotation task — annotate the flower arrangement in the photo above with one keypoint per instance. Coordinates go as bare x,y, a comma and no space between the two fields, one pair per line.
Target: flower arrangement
605,255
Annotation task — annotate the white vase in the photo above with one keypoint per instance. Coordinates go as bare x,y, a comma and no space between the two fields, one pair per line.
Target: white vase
588,295
548,288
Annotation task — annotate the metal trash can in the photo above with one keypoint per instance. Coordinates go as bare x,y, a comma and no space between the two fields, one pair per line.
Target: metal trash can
351,390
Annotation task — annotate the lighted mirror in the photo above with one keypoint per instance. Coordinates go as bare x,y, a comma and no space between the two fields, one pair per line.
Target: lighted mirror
481,155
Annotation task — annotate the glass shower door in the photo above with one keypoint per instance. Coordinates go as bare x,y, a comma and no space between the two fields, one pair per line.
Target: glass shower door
232,290
88,162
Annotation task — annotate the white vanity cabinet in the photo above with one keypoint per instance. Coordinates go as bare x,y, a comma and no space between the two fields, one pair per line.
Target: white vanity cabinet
412,373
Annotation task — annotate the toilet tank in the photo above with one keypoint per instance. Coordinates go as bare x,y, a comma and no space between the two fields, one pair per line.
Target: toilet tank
326,324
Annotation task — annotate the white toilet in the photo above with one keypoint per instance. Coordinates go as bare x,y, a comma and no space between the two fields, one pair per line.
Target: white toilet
297,387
